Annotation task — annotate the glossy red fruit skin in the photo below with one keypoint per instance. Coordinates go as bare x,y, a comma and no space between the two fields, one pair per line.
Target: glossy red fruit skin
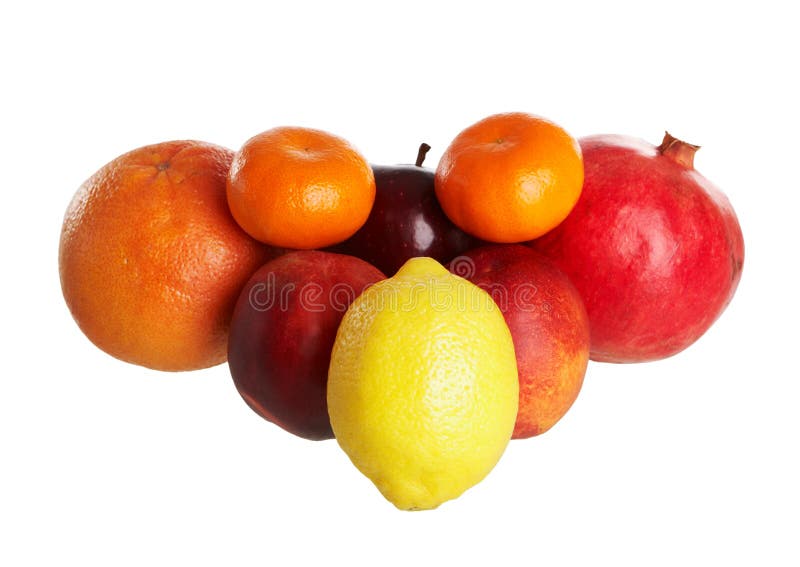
548,324
282,333
654,248
406,221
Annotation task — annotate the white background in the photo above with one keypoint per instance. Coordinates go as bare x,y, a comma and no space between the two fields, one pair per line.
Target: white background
691,460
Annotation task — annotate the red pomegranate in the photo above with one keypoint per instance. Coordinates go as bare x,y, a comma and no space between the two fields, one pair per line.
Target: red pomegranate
653,247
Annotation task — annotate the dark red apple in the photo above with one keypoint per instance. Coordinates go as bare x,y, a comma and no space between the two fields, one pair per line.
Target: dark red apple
654,248
548,325
282,334
406,221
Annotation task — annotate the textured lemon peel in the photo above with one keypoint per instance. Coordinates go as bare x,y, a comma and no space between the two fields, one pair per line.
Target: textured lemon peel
424,400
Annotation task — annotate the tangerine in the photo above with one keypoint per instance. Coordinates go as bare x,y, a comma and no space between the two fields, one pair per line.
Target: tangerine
300,188
510,177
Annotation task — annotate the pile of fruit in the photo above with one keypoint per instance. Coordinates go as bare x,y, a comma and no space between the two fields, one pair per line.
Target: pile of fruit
421,318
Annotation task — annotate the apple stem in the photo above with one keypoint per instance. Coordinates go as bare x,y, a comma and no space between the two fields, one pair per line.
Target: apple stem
677,150
423,151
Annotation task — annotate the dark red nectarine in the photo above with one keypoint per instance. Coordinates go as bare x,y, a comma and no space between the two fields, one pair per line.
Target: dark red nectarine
282,334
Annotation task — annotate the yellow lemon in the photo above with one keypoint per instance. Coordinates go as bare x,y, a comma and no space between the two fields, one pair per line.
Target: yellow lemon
423,386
